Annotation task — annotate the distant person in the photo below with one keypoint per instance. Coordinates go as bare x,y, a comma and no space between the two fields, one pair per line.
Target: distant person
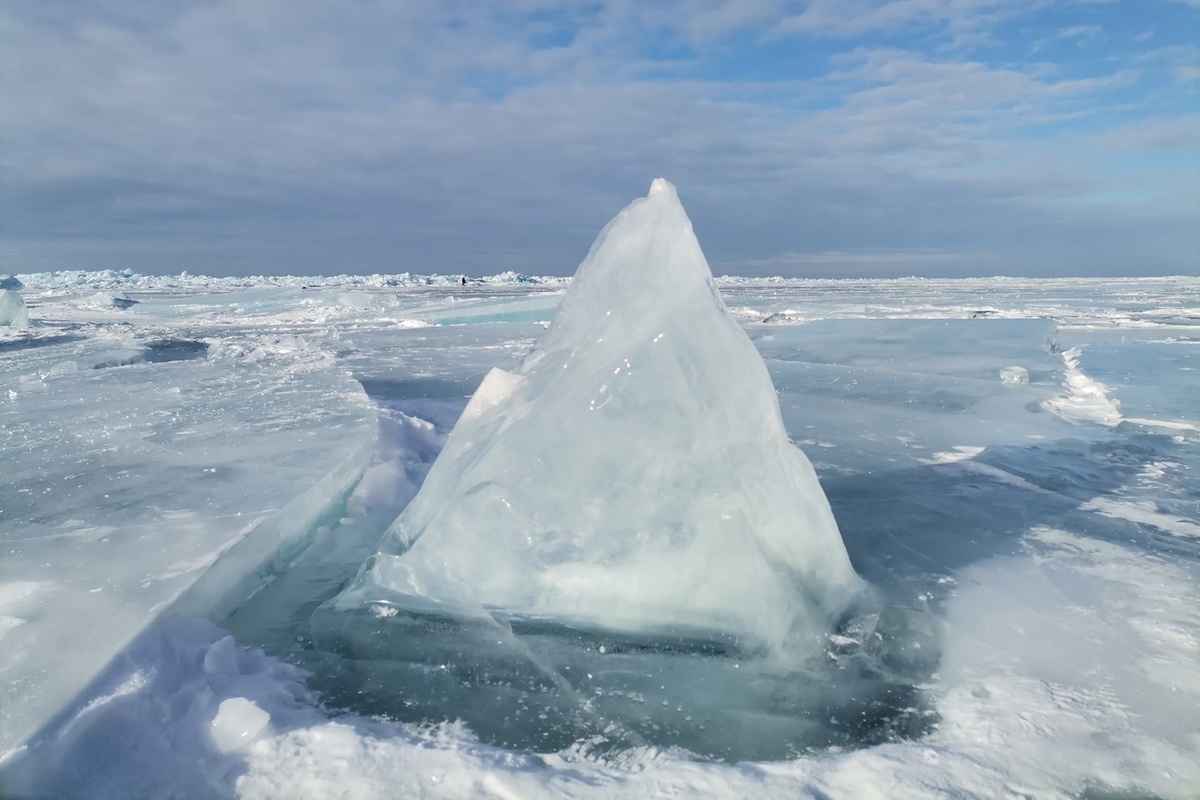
464,280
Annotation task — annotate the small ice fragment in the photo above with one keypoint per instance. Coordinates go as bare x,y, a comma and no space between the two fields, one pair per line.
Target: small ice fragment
221,657
382,610
1014,376
237,723
496,386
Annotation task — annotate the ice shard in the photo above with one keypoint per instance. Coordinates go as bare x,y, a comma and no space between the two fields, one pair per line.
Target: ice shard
12,306
633,475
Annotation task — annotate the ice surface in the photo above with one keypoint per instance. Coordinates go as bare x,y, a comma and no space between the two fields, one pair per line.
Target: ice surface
634,475
1108,711
899,391
154,475
1150,374
1053,566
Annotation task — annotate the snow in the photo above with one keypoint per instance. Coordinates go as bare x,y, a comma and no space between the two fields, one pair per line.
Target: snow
1111,704
1055,560
1083,398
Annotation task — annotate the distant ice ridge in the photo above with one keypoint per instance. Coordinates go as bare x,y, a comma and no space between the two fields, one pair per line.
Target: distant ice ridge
633,475
132,281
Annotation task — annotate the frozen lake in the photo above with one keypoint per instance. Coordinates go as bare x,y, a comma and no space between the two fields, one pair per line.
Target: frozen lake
1012,464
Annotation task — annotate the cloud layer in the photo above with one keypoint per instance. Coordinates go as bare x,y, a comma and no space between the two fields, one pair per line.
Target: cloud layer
935,137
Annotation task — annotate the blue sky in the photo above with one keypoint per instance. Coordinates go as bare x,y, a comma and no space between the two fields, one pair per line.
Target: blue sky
816,138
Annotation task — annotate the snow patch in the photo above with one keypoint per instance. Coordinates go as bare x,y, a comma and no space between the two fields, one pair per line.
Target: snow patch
1014,376
960,452
1083,399
1143,512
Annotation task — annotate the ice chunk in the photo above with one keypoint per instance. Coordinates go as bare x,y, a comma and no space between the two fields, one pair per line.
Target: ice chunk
496,387
11,283
237,722
1014,376
12,309
634,475
105,300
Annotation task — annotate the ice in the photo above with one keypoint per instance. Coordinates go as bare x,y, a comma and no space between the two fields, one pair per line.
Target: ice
1150,373
898,391
1014,376
154,477
1048,569
1082,398
12,309
634,475
104,300
237,723
474,311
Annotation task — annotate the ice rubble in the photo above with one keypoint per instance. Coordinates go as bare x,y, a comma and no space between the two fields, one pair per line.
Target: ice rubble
633,474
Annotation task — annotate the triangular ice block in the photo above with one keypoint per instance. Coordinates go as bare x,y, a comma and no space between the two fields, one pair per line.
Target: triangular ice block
633,476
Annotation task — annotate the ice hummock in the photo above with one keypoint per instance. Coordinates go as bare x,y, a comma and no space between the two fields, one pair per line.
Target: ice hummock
12,306
633,475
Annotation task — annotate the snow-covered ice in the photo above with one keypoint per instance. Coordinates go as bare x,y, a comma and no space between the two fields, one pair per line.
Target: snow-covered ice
144,473
1043,549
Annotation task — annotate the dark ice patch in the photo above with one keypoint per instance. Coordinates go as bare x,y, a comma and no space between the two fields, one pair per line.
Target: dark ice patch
165,350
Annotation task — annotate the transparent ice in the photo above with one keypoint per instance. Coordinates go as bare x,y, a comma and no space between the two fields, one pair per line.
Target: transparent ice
632,475
12,306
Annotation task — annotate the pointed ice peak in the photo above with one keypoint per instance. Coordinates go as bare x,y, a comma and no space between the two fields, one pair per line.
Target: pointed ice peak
662,186
644,275
633,476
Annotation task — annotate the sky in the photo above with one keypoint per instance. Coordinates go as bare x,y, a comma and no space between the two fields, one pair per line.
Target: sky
820,138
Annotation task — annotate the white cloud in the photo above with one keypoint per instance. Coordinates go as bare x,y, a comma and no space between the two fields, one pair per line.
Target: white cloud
1156,134
1079,33
498,136
850,18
